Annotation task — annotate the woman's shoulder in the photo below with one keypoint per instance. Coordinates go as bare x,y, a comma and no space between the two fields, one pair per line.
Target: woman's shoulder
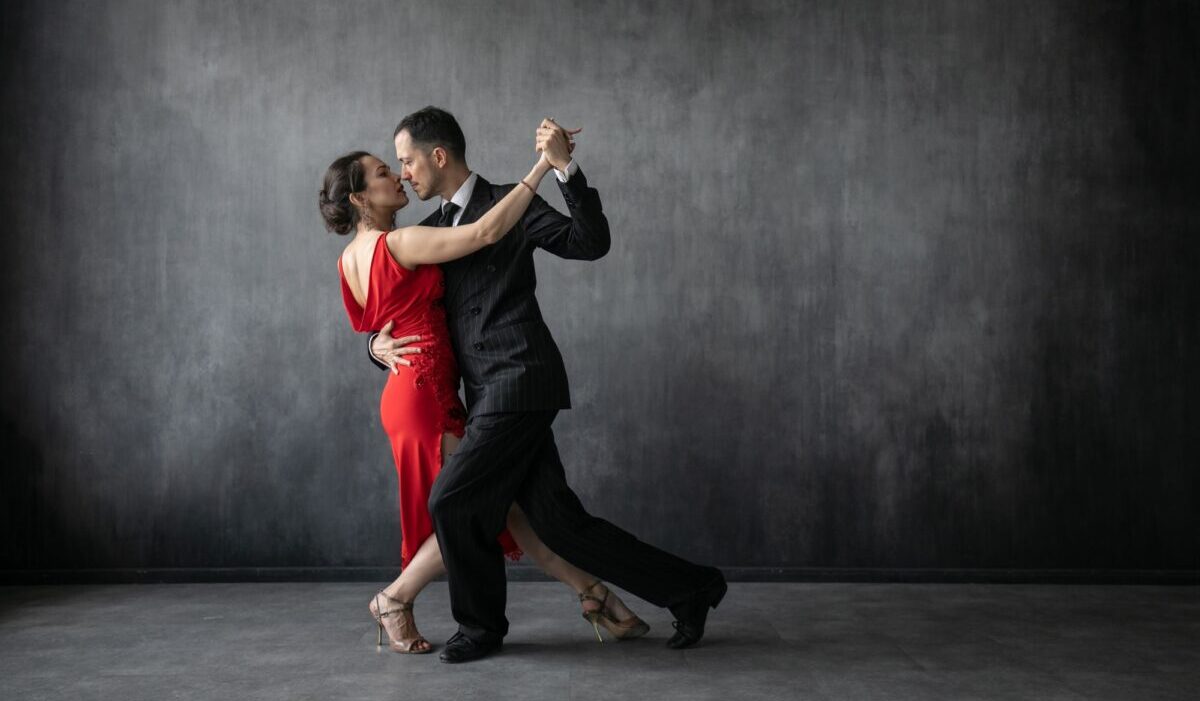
356,246
346,260
395,246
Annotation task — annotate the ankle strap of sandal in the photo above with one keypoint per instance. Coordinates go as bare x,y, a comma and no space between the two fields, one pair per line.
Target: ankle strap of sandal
585,596
402,605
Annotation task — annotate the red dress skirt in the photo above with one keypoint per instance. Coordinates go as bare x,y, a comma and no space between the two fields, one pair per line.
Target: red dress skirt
420,403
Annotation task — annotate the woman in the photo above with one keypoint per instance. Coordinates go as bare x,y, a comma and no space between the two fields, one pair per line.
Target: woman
391,275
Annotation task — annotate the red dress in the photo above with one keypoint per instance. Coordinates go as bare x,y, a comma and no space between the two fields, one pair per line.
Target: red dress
421,402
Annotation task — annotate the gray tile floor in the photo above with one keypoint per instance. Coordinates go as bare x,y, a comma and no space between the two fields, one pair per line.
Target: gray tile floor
766,641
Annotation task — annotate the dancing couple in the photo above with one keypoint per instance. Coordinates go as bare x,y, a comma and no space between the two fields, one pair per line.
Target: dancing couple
455,295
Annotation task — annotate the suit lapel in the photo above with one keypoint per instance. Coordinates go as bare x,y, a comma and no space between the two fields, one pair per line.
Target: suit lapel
481,201
430,220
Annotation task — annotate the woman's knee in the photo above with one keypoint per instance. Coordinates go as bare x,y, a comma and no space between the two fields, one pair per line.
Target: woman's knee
539,519
516,518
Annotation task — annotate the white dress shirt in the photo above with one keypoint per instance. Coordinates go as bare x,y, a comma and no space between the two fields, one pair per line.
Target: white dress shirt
463,195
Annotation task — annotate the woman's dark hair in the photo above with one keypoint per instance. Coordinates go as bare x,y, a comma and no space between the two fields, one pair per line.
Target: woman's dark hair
345,176
433,126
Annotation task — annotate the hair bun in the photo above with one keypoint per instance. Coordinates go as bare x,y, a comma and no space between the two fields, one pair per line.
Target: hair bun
339,214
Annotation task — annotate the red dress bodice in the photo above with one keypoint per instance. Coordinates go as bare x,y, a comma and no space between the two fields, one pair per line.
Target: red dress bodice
420,403
412,299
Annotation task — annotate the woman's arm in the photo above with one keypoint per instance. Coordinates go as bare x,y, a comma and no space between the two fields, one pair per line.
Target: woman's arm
414,245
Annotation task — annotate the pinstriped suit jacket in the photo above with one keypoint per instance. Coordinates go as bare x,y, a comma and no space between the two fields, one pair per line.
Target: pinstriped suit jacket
505,353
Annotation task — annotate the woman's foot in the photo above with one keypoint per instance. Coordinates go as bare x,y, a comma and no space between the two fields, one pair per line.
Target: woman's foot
601,607
396,617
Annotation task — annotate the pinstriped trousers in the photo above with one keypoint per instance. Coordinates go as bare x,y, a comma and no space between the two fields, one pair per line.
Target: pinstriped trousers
512,457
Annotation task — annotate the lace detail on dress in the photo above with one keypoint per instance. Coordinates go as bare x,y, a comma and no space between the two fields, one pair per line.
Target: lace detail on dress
435,367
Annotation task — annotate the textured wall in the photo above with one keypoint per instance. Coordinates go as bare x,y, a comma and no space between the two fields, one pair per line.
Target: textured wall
892,284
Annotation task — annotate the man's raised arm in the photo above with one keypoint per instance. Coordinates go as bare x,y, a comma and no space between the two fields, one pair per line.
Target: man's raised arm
584,234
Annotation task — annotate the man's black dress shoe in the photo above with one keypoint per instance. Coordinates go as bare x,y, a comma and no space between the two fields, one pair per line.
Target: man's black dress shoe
460,648
691,614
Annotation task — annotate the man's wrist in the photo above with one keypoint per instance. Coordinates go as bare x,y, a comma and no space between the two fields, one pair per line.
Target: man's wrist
564,174
371,347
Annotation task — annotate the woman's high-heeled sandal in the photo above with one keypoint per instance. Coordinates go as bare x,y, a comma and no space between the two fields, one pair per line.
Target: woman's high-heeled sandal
632,627
403,616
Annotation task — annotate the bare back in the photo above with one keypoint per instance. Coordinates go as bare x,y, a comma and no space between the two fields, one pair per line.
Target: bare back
356,264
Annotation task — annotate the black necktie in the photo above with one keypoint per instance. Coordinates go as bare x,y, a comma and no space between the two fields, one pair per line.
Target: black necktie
447,217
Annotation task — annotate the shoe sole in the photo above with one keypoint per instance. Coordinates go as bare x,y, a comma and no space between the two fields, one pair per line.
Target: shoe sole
486,654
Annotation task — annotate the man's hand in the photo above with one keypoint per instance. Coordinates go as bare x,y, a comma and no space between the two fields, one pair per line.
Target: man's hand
391,351
556,143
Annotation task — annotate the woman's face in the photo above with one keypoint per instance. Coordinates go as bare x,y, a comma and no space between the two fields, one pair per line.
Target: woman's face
384,190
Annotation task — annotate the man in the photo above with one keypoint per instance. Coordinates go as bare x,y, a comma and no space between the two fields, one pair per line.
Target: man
515,384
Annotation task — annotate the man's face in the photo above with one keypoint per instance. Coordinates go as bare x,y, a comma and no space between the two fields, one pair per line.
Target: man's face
417,167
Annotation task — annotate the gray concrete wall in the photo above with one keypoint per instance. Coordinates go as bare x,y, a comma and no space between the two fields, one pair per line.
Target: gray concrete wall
892,285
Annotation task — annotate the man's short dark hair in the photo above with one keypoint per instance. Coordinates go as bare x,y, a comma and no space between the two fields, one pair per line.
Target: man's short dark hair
431,127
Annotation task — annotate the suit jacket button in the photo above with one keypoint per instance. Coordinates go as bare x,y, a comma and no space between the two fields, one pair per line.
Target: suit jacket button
477,346
491,268
475,311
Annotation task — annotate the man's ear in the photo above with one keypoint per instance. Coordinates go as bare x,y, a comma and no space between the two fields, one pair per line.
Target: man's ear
440,157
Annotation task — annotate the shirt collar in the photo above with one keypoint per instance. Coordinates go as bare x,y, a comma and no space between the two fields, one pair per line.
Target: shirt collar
463,196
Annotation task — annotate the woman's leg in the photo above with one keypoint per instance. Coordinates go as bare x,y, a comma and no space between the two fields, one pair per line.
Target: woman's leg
426,564
522,532
431,566
553,565
544,557
423,567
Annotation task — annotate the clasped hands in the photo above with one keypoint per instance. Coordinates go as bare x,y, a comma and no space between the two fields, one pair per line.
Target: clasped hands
555,143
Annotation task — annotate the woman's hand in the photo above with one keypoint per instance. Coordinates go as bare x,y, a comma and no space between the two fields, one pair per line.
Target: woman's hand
555,143
540,169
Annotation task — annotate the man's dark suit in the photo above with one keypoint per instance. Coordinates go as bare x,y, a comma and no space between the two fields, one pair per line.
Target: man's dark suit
515,383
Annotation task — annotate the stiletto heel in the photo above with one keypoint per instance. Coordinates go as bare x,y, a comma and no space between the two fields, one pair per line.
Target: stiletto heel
403,616
632,627
593,618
